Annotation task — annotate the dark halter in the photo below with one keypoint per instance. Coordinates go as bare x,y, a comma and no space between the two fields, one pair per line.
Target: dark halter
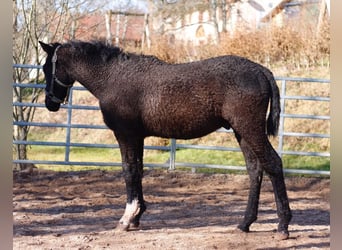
54,79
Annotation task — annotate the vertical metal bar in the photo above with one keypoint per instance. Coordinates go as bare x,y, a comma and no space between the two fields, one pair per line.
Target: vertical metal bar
68,129
173,147
282,118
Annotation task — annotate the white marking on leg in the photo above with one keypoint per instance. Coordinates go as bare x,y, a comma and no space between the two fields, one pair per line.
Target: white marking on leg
132,210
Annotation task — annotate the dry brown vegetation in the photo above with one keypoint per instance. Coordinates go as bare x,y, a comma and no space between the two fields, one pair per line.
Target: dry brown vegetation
291,47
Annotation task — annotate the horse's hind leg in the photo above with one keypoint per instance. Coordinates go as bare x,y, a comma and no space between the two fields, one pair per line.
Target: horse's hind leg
276,175
255,175
260,150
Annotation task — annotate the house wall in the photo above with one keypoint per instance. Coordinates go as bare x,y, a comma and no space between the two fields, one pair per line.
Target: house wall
196,28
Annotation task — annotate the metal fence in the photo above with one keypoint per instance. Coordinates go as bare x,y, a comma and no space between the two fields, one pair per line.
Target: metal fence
286,96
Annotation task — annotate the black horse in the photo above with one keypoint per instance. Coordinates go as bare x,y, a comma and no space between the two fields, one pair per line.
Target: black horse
142,96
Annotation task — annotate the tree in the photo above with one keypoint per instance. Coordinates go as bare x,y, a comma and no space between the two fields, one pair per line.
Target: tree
28,27
35,20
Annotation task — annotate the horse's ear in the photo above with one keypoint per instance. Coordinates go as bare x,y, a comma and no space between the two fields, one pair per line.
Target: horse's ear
48,48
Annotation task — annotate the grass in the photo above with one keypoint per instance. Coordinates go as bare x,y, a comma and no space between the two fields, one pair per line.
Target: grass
210,157
214,157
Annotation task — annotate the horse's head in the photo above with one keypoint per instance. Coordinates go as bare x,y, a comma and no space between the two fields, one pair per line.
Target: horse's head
58,81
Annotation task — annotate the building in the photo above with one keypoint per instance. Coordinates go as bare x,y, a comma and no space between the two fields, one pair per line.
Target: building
205,25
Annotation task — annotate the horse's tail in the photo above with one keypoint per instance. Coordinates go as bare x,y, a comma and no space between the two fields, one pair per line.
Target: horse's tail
274,114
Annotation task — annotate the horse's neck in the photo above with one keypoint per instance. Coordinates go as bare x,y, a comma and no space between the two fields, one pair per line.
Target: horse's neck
90,77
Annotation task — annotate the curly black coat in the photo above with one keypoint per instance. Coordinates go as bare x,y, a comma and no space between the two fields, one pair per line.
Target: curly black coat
143,96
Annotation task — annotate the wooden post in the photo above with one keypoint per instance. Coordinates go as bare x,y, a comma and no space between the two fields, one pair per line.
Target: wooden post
146,34
321,17
117,30
224,9
327,2
108,17
124,29
213,9
126,15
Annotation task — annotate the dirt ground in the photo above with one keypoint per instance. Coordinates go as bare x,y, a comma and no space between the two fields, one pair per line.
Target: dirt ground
79,210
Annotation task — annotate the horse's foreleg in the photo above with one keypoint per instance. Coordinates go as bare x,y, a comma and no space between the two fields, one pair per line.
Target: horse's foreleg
132,154
135,205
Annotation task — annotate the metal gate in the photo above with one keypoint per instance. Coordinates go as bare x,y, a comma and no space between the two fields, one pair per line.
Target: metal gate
68,125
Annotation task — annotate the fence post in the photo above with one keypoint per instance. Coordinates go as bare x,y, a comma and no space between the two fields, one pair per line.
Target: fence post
68,128
282,118
172,154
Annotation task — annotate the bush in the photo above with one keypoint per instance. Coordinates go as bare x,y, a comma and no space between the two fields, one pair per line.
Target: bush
290,46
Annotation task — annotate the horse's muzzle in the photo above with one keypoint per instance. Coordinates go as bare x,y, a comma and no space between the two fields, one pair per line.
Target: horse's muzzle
52,106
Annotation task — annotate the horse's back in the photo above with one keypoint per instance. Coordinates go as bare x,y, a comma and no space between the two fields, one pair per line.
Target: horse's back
191,100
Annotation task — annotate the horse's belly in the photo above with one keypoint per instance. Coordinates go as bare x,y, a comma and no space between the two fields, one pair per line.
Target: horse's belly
182,115
182,129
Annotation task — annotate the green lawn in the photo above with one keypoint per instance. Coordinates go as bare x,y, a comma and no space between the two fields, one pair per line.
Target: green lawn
214,157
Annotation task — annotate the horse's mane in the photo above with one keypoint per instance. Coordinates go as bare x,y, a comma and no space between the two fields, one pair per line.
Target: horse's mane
98,49
101,50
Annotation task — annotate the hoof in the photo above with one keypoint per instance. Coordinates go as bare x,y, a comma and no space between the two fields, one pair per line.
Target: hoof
134,227
243,228
121,227
282,235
